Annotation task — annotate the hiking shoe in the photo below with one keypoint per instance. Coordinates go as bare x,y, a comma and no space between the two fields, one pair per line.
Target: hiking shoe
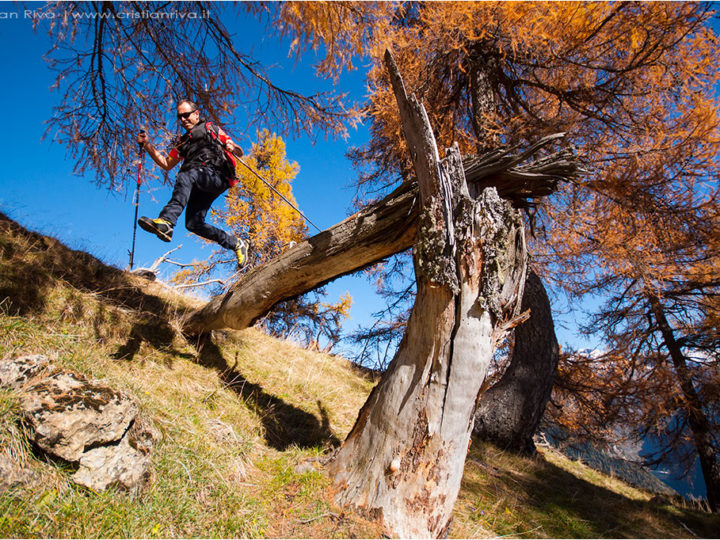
159,227
241,252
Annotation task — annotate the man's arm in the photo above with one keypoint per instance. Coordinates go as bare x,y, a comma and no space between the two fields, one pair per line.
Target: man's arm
164,162
226,141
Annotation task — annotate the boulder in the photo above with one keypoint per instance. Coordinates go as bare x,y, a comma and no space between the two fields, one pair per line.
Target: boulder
125,465
81,421
68,414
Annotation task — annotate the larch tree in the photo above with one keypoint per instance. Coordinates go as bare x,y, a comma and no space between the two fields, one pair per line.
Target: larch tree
632,85
658,377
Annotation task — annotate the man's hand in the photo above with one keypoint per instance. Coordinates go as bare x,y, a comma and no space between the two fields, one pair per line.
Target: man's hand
233,148
165,162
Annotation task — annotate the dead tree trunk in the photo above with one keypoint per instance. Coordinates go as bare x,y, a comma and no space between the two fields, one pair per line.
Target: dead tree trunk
510,411
403,461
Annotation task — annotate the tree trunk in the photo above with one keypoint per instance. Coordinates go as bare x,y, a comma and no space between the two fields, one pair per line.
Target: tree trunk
699,423
510,411
483,68
403,461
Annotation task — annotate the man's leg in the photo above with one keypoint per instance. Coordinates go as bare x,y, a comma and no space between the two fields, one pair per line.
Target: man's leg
163,226
180,196
209,186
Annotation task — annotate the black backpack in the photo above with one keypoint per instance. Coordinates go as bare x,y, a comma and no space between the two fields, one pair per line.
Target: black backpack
202,146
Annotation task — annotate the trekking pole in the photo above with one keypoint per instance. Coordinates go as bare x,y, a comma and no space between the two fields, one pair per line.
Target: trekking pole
141,157
248,167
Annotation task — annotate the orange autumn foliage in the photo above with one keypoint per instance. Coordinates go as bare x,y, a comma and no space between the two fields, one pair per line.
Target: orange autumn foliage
254,212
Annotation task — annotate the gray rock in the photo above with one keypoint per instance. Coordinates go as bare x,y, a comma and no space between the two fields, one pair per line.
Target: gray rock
124,465
68,414
15,372
81,421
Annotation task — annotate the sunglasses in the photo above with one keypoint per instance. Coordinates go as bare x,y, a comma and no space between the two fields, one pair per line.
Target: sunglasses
185,115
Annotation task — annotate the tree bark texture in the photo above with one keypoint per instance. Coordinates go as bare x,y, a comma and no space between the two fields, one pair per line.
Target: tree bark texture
510,411
482,73
699,424
403,461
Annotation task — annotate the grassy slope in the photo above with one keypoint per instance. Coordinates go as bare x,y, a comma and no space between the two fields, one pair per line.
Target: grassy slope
238,415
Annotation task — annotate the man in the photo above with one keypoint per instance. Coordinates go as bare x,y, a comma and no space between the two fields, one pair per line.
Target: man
203,177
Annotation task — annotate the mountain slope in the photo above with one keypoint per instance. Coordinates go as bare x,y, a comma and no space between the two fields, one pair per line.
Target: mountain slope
245,421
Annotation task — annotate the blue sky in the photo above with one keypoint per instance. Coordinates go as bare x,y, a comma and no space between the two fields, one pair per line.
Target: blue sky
39,190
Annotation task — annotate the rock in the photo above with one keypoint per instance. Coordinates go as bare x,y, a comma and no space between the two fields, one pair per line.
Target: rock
145,273
14,373
69,414
81,421
143,435
125,465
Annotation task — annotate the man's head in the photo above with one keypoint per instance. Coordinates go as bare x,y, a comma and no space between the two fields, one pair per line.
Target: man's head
187,114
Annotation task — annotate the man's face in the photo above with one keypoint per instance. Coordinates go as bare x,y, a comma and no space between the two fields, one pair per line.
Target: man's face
187,116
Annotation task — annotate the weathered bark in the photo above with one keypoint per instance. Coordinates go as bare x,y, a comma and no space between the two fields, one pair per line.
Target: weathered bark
403,461
699,424
482,73
510,411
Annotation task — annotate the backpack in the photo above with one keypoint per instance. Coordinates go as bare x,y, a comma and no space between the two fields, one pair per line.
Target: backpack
202,146
226,162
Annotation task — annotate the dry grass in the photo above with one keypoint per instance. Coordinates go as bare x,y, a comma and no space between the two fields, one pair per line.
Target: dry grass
244,419
551,496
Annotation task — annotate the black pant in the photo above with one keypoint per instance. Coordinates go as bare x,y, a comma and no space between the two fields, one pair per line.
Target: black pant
198,188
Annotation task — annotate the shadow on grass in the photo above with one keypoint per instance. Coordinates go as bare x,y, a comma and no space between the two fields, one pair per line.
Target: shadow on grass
568,506
284,424
31,264
157,333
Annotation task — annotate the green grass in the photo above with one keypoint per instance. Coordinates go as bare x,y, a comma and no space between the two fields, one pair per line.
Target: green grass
245,420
